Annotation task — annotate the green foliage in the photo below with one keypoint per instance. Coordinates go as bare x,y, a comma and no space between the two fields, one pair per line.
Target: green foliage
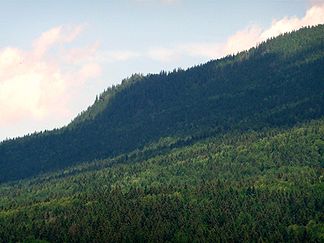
251,186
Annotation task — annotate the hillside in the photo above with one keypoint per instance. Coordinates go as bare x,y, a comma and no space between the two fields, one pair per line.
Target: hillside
276,85
252,186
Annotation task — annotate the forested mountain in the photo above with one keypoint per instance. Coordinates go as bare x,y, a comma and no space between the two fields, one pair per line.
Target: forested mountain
239,187
228,151
276,85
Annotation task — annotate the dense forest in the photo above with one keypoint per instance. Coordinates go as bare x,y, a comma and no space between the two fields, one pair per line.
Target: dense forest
251,186
227,151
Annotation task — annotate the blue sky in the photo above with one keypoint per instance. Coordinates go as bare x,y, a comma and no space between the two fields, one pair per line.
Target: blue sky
55,56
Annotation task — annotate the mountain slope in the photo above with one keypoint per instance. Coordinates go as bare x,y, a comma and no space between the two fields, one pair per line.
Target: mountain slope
252,186
277,84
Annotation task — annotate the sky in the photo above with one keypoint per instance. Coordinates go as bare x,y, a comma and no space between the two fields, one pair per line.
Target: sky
56,56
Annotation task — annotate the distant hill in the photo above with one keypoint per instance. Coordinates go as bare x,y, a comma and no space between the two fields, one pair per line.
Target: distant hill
276,85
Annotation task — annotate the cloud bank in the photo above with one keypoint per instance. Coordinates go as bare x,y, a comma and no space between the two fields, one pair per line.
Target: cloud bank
36,84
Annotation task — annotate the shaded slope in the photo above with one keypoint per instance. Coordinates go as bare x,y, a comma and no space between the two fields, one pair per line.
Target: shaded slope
279,83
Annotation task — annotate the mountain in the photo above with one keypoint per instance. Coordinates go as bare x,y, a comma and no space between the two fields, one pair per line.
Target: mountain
239,187
277,84
227,151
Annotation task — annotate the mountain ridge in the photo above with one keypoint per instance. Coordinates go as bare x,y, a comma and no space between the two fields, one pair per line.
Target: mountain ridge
217,96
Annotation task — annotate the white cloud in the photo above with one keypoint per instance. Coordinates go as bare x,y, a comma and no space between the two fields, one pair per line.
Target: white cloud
79,55
55,36
89,71
46,40
120,55
163,54
241,40
37,84
315,15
